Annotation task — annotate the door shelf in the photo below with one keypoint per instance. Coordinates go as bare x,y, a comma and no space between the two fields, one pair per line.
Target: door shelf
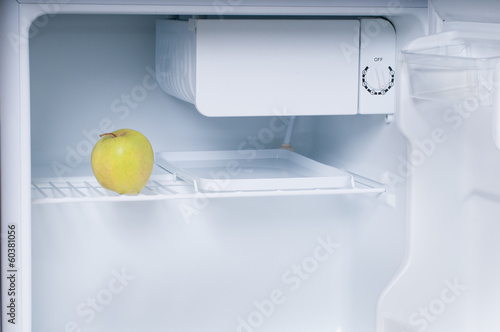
453,66
168,186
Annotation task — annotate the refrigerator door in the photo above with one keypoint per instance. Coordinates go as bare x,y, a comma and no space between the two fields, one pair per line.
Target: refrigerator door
449,100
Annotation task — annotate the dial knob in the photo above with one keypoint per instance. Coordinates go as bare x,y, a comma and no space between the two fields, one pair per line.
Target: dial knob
377,80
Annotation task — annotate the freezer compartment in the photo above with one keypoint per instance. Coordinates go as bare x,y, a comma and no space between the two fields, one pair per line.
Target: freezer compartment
266,67
452,66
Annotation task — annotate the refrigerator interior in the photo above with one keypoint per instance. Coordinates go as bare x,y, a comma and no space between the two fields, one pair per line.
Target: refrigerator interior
267,262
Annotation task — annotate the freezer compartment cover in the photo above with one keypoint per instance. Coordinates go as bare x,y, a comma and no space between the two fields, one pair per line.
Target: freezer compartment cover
269,67
258,66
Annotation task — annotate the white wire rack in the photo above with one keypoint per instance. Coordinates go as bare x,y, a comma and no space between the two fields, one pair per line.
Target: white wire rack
88,189
168,186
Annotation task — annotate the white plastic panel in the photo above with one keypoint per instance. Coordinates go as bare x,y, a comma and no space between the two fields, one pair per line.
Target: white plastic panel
268,67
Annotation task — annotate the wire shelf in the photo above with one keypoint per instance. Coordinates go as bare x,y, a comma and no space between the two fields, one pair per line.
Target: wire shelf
87,189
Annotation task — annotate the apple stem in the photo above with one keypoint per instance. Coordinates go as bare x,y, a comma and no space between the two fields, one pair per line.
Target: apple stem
107,134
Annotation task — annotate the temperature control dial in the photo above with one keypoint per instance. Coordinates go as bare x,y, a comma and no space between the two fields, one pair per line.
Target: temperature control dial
377,80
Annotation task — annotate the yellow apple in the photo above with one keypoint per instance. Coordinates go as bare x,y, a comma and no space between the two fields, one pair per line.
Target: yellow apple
122,161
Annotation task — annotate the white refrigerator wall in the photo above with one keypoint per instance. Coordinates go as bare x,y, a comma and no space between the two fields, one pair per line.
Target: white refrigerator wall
235,264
